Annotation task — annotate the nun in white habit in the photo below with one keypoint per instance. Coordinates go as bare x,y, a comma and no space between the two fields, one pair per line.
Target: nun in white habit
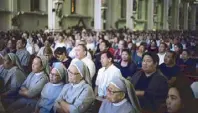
121,98
77,96
32,87
52,89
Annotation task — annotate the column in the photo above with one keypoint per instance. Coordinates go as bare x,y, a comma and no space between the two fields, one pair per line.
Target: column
53,19
185,7
43,5
13,8
165,14
129,14
150,14
159,14
175,14
82,7
97,15
193,17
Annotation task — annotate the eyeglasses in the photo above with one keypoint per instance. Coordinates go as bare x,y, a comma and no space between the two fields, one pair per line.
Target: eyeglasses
113,92
71,73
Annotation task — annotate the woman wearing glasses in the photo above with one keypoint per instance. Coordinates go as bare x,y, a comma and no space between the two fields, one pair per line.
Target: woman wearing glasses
121,98
52,89
78,95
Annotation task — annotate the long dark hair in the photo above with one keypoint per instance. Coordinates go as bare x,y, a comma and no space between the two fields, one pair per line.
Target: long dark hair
186,95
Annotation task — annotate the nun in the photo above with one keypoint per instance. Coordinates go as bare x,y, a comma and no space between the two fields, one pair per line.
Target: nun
121,97
77,96
13,79
52,89
32,87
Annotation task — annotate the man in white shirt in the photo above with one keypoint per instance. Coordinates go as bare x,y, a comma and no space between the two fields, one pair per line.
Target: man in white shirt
81,54
162,52
105,74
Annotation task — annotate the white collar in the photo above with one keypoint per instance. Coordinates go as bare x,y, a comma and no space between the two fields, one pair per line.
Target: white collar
56,84
120,103
79,84
37,74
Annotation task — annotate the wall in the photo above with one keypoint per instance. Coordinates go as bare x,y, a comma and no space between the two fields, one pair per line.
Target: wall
31,22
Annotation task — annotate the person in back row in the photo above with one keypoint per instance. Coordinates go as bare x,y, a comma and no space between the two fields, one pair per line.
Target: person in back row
121,97
105,74
169,67
81,54
22,53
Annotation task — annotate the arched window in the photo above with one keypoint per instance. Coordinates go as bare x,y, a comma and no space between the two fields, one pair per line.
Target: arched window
73,6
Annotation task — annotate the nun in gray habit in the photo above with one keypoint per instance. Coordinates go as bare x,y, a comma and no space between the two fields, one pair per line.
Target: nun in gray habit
31,88
121,98
77,96
52,89
13,79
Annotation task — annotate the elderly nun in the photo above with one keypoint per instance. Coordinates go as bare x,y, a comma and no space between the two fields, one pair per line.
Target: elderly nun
52,89
77,96
32,87
13,79
121,97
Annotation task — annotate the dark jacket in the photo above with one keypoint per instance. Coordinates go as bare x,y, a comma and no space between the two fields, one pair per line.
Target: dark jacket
155,93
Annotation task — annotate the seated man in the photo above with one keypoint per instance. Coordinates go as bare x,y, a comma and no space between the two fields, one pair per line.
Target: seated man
76,96
169,67
121,98
105,74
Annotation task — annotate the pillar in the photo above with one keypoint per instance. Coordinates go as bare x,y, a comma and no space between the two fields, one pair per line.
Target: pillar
82,7
97,15
150,14
53,19
159,14
175,15
43,5
193,17
13,8
129,14
165,14
185,9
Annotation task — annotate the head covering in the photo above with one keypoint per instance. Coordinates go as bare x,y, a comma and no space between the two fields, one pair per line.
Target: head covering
83,70
125,86
15,60
62,71
45,64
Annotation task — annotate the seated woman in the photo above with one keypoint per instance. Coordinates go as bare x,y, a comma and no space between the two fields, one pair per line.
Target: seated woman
150,84
78,95
137,55
49,54
52,89
126,65
13,79
180,99
62,56
121,98
31,88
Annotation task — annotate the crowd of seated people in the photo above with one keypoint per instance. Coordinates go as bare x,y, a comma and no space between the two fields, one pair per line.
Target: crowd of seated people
112,71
